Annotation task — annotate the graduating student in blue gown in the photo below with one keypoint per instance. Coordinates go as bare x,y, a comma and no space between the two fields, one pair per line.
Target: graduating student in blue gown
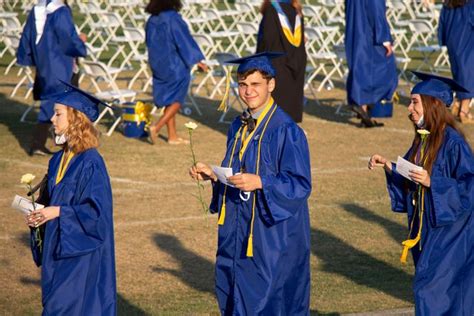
442,195
50,43
262,265
172,52
77,253
456,31
372,70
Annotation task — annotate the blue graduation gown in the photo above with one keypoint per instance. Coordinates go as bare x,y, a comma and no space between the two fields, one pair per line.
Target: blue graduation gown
78,263
276,280
444,267
372,75
53,56
172,52
456,31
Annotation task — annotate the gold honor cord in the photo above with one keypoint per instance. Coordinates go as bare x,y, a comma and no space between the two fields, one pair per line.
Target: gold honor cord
63,166
240,134
229,165
420,207
257,169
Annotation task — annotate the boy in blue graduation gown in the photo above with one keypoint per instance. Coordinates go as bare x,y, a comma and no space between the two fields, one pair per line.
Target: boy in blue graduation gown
372,70
456,32
439,201
77,252
262,265
50,43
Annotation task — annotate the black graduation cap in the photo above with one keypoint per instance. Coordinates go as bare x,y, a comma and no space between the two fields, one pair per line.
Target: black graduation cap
80,100
436,86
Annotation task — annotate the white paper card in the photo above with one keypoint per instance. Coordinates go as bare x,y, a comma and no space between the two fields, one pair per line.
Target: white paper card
404,167
222,174
24,205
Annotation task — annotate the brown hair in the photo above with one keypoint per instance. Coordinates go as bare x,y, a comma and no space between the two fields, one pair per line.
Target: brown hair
437,117
244,75
294,3
455,3
155,7
81,133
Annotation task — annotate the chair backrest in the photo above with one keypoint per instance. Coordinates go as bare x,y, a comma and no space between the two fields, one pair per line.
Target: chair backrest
247,28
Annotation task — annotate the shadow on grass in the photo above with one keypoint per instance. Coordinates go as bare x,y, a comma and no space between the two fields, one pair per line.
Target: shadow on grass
395,230
124,307
10,113
325,109
343,259
194,270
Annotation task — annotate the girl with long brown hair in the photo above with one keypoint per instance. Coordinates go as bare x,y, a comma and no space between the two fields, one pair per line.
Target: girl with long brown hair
76,252
439,200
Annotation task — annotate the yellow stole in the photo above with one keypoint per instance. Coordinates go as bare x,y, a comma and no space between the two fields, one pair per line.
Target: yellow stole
63,165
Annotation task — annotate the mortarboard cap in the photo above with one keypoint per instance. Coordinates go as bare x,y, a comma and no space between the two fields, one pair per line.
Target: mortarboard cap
260,61
441,88
80,100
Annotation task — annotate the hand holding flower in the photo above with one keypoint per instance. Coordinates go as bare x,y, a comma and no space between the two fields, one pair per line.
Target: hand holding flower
39,217
202,172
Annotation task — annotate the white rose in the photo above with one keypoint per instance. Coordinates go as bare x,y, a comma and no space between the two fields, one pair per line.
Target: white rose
191,125
27,178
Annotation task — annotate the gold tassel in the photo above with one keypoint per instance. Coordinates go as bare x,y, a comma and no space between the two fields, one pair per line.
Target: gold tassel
224,103
222,214
250,246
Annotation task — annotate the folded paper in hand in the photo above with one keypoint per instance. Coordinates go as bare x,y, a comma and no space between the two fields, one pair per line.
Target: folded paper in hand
404,167
222,174
24,205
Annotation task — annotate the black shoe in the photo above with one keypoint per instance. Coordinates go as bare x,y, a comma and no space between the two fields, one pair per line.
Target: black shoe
364,116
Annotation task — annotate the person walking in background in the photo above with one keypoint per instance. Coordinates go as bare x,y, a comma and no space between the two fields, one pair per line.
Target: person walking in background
172,52
439,201
372,69
76,255
282,30
456,31
50,43
262,265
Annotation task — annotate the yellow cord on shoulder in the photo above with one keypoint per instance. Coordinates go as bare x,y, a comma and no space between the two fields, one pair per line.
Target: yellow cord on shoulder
63,166
222,213
257,169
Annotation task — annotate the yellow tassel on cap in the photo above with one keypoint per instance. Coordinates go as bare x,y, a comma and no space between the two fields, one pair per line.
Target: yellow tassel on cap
224,103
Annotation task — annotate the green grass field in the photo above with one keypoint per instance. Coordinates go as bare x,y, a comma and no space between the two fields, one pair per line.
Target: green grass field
165,246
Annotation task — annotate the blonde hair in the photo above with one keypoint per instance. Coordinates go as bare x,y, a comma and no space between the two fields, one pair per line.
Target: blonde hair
294,3
81,133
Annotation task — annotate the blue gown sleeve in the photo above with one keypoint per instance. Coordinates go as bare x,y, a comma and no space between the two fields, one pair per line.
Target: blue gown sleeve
378,21
396,191
287,186
441,29
453,197
68,39
83,227
24,54
187,47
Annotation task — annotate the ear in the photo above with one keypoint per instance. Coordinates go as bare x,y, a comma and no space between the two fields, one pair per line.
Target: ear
271,85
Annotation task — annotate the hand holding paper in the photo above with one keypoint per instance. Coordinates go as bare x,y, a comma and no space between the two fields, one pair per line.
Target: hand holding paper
404,167
24,205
